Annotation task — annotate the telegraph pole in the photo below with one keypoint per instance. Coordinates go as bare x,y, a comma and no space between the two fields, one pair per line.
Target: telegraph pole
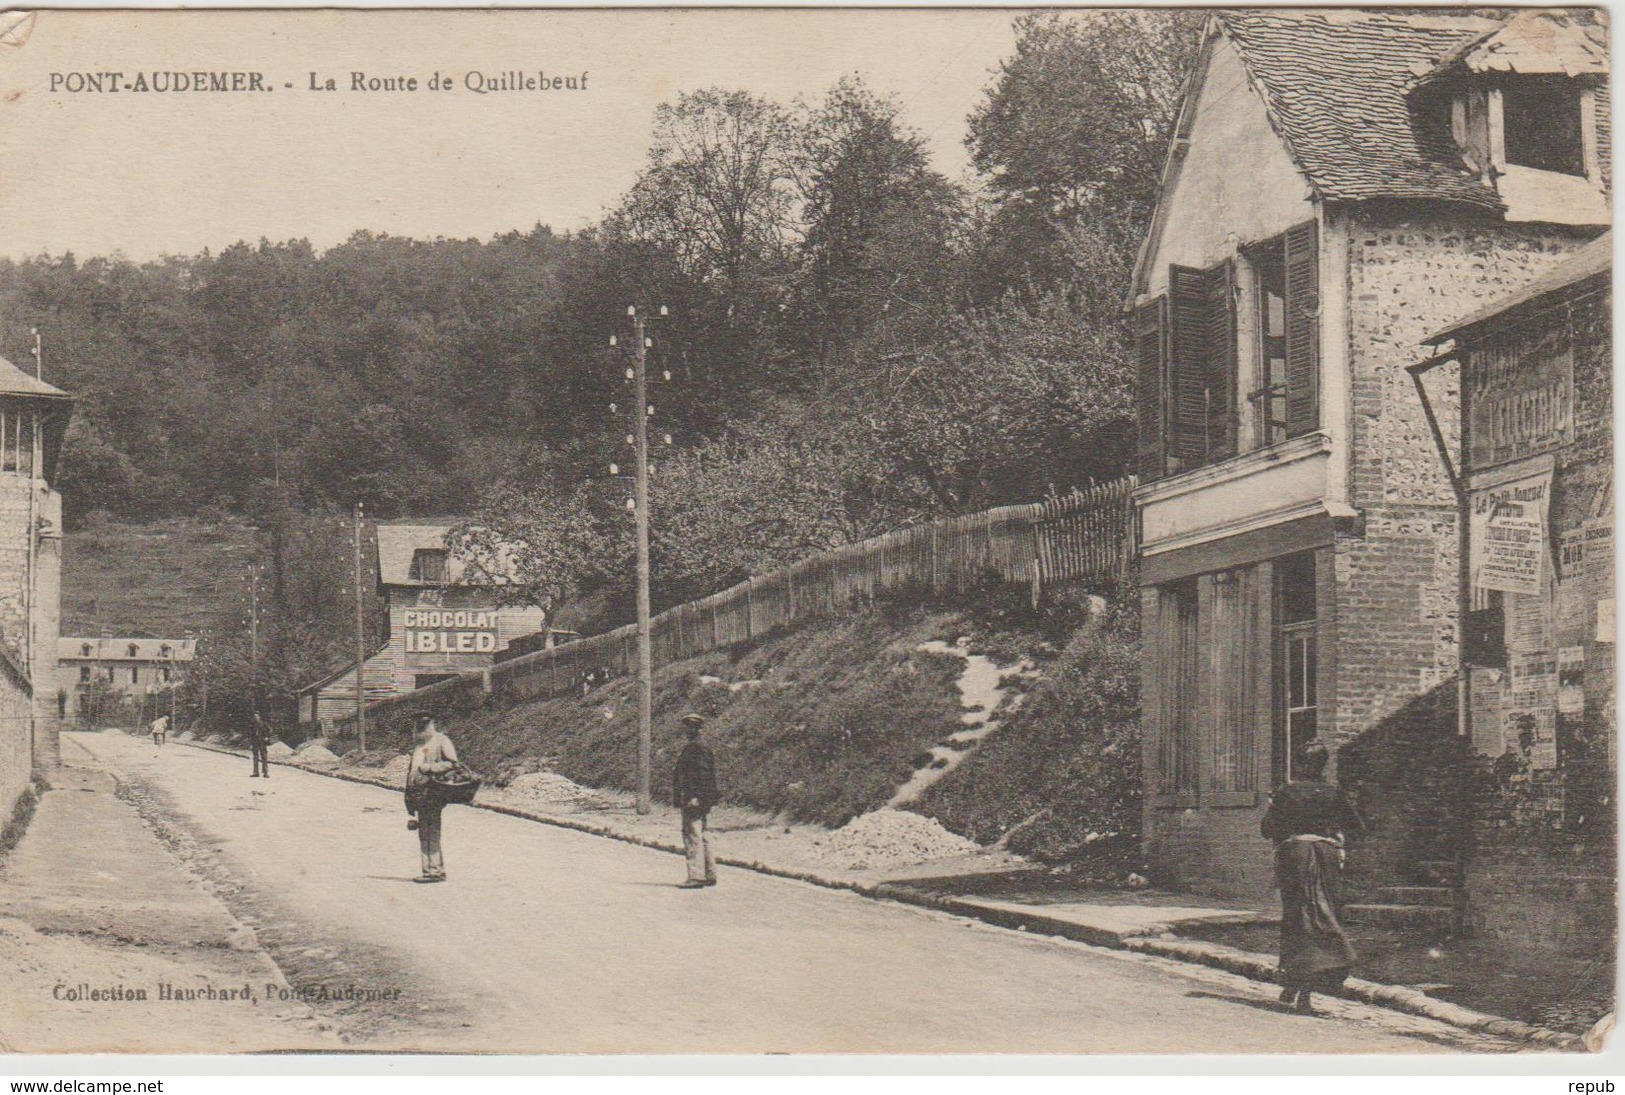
642,411
640,498
360,642
254,634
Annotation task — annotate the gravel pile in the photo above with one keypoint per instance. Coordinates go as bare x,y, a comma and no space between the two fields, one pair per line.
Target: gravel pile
395,770
278,749
318,754
890,838
546,790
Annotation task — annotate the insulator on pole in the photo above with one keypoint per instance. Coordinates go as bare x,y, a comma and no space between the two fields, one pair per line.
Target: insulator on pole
613,407
613,341
614,469
651,410
631,505
631,309
665,374
630,440
648,343
665,439
663,310
631,374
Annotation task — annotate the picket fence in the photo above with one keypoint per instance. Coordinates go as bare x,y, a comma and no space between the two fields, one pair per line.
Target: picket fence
1089,536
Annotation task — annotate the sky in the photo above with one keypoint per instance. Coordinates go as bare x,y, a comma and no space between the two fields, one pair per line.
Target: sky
165,172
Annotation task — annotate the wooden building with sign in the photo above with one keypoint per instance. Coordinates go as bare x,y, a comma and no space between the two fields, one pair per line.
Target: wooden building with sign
1340,185
445,618
1535,468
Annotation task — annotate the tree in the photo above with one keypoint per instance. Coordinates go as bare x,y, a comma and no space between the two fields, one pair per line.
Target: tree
880,226
1005,405
1076,128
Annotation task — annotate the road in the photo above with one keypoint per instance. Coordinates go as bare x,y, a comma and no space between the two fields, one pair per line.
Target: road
546,940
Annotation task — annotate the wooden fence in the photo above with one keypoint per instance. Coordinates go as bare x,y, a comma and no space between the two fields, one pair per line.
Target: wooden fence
1090,535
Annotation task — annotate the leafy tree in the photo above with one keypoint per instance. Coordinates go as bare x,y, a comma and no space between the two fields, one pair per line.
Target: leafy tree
880,225
1076,128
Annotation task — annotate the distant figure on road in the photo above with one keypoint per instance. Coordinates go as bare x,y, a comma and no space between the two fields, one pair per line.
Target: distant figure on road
1310,821
694,791
160,730
434,755
259,740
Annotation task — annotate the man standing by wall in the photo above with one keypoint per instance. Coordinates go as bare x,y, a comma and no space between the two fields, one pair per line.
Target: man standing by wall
694,791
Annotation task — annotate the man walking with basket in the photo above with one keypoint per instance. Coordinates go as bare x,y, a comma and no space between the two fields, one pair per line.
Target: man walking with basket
433,757
694,791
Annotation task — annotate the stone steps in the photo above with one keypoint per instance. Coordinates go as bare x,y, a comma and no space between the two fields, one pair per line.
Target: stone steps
1431,920
1433,897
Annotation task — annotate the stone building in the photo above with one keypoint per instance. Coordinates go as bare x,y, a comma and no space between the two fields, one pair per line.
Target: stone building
445,617
1341,184
1535,468
127,670
33,420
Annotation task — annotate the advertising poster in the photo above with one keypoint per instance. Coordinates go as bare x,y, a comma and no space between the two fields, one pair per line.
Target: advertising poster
1507,546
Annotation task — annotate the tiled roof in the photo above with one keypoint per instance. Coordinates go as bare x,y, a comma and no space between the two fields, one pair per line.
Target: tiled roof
398,543
1537,42
117,649
13,381
1336,84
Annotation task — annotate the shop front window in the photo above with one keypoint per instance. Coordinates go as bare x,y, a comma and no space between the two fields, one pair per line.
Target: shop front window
1297,699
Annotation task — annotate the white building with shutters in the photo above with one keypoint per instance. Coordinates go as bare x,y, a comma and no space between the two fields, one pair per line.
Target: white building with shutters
1340,184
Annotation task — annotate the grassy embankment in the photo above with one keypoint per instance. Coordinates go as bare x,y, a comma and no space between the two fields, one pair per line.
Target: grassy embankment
824,723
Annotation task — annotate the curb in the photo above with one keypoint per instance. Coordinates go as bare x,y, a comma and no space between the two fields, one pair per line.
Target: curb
1257,967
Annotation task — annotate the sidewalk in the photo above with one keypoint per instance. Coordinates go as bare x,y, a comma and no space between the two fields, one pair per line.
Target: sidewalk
108,944
992,886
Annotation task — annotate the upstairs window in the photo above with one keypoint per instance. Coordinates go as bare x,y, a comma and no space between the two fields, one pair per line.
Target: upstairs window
134,650
1541,124
428,565
1196,392
84,650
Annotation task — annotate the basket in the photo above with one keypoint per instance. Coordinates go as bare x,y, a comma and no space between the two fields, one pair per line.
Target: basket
455,787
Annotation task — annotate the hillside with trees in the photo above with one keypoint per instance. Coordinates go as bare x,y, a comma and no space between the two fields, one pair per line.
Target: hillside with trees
856,343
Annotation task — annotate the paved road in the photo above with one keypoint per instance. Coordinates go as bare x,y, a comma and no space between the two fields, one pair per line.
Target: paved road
550,940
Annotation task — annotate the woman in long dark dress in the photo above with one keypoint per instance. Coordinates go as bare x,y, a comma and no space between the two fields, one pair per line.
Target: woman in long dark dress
1310,821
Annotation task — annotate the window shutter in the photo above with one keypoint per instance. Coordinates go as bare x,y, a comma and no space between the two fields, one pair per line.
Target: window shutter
1302,330
1151,398
1221,362
1188,368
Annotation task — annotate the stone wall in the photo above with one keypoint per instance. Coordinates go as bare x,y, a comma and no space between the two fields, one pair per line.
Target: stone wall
1410,275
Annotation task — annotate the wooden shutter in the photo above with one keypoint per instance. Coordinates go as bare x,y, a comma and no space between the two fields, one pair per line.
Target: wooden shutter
1151,398
1188,368
1302,330
1221,362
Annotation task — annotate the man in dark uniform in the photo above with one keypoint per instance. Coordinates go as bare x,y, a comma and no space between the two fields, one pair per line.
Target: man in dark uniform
694,791
259,740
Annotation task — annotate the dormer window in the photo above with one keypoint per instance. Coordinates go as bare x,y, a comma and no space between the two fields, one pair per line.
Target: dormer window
84,650
134,650
428,565
1541,124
